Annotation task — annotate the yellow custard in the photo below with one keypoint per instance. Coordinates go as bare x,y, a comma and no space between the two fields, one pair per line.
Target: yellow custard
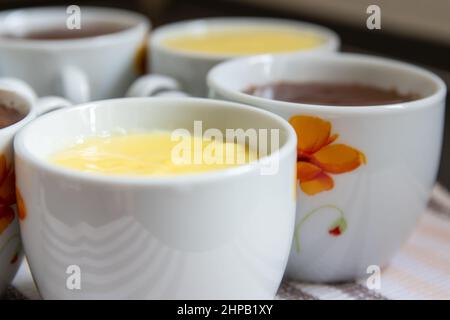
152,153
245,41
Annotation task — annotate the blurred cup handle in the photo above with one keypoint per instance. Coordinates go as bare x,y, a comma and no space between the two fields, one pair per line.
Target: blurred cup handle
42,105
20,87
51,103
155,85
75,85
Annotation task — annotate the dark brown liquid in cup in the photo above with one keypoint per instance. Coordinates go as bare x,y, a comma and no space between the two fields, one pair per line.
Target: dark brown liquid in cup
335,94
9,116
62,33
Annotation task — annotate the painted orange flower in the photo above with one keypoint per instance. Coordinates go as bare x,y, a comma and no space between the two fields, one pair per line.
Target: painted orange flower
6,217
318,157
21,209
7,195
140,59
7,183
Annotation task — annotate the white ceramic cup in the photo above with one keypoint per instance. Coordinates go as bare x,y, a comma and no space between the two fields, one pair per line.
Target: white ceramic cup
360,202
81,69
219,235
17,95
190,68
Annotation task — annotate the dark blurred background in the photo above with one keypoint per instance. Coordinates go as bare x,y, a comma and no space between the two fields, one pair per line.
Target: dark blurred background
417,31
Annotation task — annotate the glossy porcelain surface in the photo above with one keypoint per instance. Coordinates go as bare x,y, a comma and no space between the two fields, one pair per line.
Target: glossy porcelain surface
191,69
18,95
82,69
356,210
224,234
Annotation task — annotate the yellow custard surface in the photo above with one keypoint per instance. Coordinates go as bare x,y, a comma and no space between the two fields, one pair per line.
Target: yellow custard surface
151,153
245,41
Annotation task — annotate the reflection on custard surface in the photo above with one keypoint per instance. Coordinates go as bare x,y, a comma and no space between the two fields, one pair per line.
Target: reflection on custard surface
151,153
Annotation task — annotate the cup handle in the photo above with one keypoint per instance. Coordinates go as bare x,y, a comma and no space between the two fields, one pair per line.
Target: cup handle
51,103
75,85
155,85
20,87
42,105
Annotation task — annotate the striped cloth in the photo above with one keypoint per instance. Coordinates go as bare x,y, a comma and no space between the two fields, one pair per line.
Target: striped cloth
421,270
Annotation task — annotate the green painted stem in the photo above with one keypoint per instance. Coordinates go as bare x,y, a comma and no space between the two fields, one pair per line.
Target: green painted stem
309,215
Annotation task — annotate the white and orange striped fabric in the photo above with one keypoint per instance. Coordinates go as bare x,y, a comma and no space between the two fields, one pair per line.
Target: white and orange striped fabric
421,270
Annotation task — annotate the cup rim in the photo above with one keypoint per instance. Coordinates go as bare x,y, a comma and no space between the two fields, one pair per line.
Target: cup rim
31,101
238,96
142,24
332,40
206,177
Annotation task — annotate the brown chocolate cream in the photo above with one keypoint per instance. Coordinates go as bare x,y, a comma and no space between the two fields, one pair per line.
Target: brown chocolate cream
9,116
60,33
335,94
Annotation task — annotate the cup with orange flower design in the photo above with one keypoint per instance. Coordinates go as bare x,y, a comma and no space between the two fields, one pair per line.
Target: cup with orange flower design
364,173
18,106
